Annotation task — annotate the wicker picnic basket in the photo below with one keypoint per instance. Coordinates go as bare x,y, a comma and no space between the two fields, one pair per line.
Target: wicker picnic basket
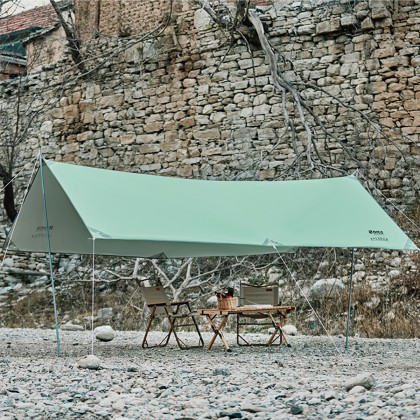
227,303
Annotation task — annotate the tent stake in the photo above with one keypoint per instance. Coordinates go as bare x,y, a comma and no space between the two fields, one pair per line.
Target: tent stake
47,230
350,296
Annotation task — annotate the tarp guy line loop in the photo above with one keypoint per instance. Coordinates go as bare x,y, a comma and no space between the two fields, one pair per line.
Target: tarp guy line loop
307,300
93,290
47,230
20,206
356,173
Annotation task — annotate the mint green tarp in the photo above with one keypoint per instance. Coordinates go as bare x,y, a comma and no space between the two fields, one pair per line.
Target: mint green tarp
141,215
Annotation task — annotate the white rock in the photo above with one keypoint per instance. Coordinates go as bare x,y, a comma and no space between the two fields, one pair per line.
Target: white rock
89,362
290,329
104,333
8,262
46,127
390,315
72,327
396,262
314,401
373,303
358,389
202,20
330,395
364,379
323,264
393,274
359,275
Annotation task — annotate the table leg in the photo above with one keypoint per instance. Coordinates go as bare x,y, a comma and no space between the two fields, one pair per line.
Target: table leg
217,330
277,330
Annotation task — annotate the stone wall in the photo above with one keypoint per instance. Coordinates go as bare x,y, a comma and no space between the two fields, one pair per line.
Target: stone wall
177,106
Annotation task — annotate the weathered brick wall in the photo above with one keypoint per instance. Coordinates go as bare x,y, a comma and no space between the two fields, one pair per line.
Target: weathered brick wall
87,17
119,17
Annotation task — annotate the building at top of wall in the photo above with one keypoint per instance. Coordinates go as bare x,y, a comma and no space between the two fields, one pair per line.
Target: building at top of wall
20,39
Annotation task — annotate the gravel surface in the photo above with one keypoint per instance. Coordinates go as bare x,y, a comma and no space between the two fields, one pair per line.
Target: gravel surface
375,379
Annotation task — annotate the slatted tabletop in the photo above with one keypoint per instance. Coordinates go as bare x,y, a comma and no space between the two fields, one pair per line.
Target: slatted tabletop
246,310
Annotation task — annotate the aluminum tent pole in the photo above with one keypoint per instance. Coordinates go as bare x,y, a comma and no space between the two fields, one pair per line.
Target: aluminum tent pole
350,296
47,230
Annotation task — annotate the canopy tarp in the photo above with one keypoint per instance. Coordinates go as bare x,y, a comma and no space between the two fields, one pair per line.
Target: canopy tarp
130,214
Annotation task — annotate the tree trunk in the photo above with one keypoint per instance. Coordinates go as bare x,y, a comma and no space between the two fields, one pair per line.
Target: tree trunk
9,194
72,39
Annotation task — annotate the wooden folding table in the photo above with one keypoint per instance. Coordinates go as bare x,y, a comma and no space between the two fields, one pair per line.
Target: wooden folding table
217,319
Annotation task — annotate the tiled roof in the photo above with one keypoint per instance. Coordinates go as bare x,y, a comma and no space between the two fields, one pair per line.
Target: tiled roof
41,17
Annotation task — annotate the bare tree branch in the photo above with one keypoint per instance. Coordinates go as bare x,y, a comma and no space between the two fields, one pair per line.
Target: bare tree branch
73,41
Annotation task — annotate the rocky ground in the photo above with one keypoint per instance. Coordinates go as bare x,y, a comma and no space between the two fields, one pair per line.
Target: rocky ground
375,379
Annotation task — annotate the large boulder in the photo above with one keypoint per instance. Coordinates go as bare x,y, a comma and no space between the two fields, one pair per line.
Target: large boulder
324,289
105,314
104,333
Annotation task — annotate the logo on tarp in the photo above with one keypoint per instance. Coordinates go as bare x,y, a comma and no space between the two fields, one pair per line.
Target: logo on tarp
376,232
378,235
40,231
